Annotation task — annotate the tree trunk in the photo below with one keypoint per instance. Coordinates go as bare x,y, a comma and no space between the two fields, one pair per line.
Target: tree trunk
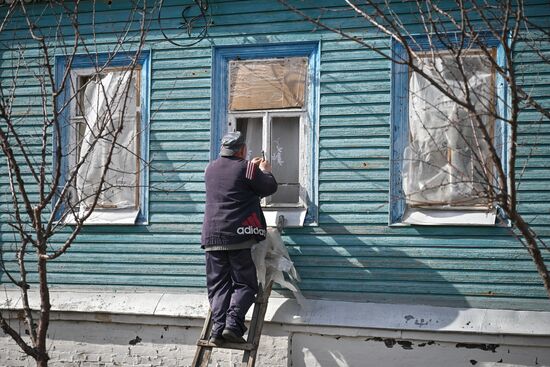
533,249
42,362
45,306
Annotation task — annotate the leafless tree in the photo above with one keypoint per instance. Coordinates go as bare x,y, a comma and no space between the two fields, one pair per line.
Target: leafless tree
456,154
71,148
96,111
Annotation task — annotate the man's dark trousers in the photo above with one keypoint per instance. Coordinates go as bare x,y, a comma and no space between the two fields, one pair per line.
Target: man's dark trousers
232,286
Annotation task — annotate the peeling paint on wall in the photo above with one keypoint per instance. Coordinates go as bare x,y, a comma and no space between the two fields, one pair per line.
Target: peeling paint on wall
310,350
135,341
391,342
484,347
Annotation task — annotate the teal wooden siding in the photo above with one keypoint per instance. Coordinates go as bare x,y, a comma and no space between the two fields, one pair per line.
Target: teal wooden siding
352,254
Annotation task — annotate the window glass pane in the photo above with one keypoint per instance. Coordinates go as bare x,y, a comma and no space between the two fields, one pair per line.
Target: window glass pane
252,129
267,84
285,158
82,83
445,161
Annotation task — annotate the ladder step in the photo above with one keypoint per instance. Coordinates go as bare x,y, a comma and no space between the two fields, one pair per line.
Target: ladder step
227,345
204,347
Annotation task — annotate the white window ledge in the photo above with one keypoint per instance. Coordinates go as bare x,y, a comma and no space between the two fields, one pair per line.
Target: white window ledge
442,217
292,217
108,217
322,313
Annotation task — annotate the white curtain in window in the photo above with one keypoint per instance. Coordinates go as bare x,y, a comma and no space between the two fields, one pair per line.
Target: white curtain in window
110,103
446,160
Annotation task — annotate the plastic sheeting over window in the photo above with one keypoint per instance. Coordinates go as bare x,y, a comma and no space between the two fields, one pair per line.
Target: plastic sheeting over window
267,84
273,262
110,105
446,161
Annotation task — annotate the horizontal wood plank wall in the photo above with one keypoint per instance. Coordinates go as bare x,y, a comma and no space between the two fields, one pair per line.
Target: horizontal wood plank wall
352,254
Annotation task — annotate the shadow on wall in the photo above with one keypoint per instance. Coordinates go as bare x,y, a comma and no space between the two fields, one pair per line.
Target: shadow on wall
372,265
397,269
164,253
5,246
9,243
348,263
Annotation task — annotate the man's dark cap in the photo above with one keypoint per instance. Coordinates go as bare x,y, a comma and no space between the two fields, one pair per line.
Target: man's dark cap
231,143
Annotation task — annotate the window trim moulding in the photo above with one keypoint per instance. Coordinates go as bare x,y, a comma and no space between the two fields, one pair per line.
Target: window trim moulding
110,60
399,130
221,55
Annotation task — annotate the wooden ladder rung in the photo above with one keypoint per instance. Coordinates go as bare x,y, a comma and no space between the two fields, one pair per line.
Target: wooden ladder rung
226,345
204,347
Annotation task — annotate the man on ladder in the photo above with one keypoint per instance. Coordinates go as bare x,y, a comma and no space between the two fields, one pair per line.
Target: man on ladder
233,222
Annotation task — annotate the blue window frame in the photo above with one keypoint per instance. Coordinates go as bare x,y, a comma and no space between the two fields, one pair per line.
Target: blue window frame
400,125
67,98
221,116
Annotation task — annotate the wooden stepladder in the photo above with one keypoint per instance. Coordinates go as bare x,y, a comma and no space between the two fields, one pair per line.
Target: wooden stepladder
250,348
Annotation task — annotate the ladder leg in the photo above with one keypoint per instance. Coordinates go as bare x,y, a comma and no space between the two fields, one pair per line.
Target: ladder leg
202,357
202,354
204,351
256,325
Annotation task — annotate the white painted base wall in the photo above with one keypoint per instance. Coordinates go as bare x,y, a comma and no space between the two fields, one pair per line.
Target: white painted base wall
83,333
112,344
317,350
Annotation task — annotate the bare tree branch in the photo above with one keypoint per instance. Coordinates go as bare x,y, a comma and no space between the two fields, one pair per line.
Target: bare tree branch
32,222
456,32
6,328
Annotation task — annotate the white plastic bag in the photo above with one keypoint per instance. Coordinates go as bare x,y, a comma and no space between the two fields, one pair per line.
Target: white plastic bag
272,260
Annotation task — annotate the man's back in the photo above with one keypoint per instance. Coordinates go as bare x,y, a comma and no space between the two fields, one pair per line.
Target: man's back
233,214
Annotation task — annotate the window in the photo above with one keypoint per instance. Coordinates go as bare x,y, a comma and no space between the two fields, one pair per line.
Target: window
270,94
105,122
441,173
266,103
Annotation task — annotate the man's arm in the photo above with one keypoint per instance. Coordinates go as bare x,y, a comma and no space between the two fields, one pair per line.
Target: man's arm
260,178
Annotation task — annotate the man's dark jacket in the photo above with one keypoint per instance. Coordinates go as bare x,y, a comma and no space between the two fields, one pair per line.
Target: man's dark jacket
233,214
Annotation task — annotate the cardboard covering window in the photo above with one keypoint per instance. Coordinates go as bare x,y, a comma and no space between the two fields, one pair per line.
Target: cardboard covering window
267,84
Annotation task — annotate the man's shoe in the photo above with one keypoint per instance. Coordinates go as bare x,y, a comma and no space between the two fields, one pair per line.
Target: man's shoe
216,340
231,337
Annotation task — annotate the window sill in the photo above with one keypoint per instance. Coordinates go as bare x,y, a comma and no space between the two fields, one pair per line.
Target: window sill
292,217
108,217
438,217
